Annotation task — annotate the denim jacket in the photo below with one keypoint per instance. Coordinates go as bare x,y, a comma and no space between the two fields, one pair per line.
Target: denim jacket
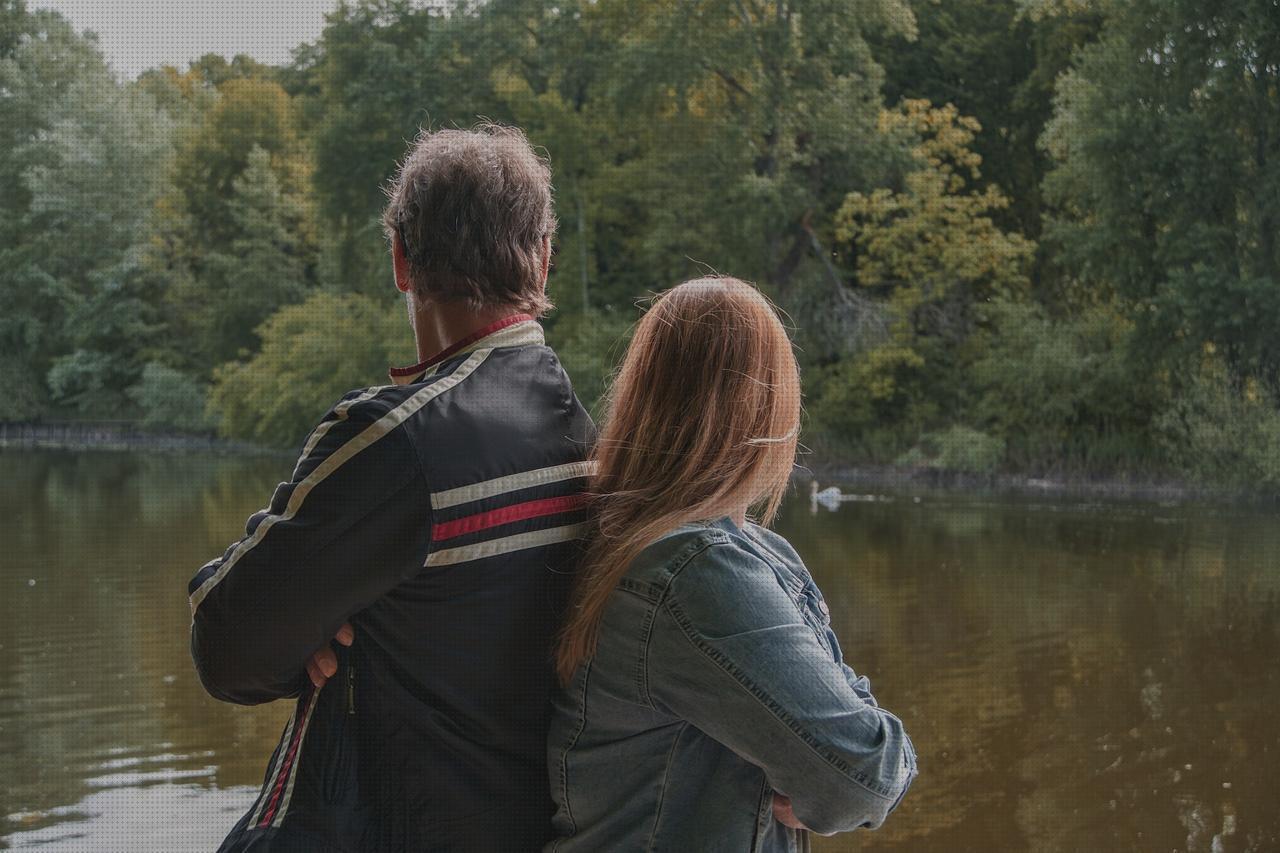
716,682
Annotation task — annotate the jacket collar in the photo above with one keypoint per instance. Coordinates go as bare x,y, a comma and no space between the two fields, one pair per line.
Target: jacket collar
513,331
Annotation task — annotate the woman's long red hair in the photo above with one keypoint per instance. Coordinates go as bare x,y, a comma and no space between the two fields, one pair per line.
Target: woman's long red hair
702,418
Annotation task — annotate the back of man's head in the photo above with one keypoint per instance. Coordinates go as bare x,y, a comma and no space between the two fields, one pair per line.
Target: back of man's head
474,213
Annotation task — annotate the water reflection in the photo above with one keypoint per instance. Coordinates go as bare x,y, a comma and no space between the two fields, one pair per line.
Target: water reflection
102,722
1076,677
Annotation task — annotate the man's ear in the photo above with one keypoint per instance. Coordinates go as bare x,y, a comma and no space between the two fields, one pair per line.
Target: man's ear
400,265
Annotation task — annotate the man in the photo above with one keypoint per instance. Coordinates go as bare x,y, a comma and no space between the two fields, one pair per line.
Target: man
429,524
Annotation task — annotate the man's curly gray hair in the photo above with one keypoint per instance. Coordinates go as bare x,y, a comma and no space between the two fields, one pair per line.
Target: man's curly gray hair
472,209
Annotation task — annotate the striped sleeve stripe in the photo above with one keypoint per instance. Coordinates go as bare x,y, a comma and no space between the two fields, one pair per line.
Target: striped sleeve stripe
290,766
293,771
511,483
285,741
506,515
341,415
507,544
336,460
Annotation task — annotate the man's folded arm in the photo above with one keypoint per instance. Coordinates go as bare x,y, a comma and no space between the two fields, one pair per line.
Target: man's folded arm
353,521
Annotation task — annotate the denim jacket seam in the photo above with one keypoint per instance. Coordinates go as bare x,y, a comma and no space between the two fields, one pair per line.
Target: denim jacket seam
799,588
802,582
564,753
725,665
642,660
681,559
662,790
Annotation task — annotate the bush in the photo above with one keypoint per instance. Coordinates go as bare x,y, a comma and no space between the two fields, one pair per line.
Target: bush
1067,392
171,399
89,381
312,353
1221,432
865,404
957,448
590,346
24,394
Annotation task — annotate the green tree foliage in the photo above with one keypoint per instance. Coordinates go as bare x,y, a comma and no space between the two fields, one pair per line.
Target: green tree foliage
258,270
248,113
234,237
1215,432
1068,392
80,165
1166,137
759,118
170,399
1055,249
929,249
312,353
997,61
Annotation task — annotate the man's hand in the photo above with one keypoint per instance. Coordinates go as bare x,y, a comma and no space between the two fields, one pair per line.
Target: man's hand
783,814
324,663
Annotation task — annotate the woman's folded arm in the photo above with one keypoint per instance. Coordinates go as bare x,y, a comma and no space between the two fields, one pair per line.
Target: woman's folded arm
731,653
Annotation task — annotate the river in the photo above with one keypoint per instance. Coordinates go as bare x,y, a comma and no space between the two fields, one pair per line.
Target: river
1076,676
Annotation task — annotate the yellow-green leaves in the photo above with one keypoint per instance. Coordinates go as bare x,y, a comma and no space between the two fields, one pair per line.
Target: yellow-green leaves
933,233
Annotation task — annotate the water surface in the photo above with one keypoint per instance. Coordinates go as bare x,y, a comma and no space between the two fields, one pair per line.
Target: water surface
1075,676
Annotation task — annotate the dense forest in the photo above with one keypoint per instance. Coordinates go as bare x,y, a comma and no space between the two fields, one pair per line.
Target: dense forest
1039,236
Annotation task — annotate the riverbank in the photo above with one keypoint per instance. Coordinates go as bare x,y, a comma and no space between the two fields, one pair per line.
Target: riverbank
120,435
898,478
117,435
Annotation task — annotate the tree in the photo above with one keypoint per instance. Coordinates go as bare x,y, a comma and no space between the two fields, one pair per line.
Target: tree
79,171
757,118
259,270
311,354
997,61
1166,189
929,249
930,243
248,112
233,238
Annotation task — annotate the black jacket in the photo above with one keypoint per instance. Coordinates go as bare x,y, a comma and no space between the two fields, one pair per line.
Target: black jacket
440,515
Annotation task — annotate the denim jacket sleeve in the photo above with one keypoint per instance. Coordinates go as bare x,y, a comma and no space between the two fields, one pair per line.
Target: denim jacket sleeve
730,653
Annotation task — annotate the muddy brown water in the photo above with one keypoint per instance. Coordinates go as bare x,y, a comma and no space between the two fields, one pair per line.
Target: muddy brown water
1076,676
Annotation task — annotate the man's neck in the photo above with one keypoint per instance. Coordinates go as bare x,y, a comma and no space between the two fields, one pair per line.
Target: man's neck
439,326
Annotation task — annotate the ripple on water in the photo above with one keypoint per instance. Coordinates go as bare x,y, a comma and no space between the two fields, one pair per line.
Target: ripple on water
138,819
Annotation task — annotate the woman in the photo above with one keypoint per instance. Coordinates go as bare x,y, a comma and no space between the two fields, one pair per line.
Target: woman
706,706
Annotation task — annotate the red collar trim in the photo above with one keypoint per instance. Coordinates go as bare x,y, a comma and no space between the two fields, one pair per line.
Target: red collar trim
470,339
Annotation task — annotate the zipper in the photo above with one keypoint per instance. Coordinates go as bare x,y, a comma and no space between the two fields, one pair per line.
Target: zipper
351,687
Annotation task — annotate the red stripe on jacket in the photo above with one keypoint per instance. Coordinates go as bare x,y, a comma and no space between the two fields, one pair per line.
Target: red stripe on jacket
506,515
470,339
298,724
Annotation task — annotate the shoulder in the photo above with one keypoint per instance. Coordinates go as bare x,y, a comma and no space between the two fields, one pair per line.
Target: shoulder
383,406
727,561
727,587
778,549
664,558
361,418
775,542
